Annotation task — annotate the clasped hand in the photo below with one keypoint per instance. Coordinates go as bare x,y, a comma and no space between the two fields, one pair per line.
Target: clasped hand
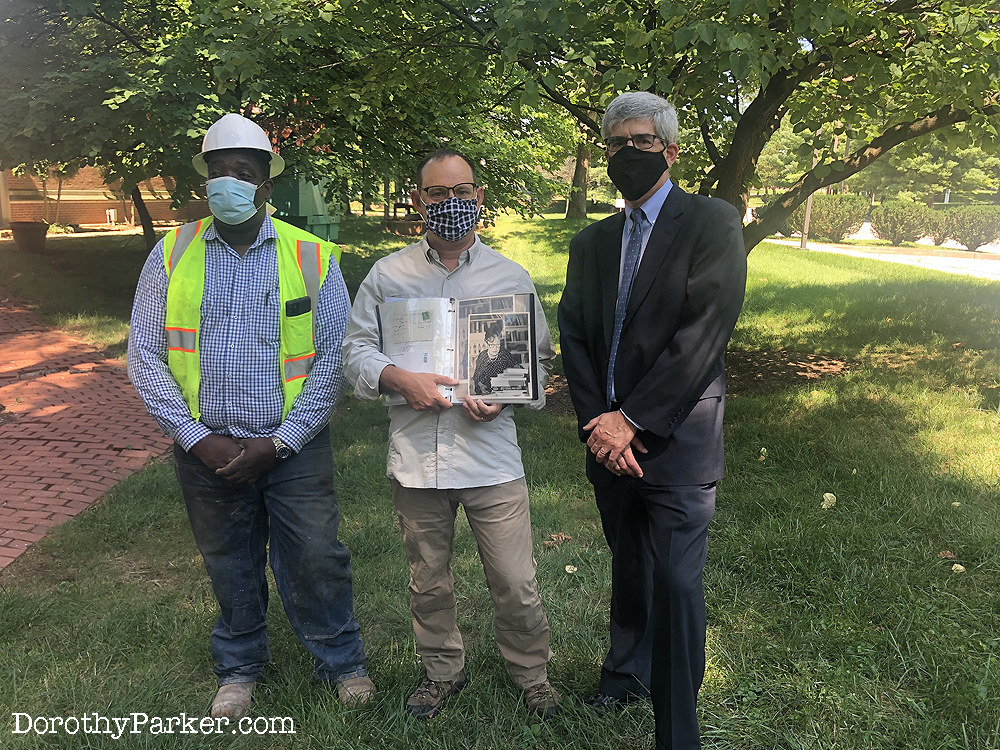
612,440
240,460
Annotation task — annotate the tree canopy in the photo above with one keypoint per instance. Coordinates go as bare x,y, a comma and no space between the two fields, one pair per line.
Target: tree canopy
366,88
130,86
881,72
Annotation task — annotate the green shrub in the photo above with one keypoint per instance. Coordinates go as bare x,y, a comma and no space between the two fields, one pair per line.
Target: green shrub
899,221
833,217
974,226
937,225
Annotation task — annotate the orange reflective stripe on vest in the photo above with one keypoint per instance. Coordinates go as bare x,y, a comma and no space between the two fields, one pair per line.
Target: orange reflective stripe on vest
182,339
299,367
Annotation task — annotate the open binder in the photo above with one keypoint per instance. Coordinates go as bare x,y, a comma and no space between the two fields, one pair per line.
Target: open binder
486,343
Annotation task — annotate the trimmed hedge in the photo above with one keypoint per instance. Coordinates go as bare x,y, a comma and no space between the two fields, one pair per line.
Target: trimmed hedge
937,225
899,221
833,217
973,226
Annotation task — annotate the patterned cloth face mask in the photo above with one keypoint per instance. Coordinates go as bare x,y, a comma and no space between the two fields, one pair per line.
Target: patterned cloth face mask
231,200
452,218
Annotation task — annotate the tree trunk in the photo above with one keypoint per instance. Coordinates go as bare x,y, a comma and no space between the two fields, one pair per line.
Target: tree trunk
576,205
59,198
386,197
148,233
45,200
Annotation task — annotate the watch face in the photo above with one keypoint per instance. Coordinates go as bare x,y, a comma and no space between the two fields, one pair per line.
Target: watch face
280,449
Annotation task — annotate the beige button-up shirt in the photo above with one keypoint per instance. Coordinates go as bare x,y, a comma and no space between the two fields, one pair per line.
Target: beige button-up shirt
445,450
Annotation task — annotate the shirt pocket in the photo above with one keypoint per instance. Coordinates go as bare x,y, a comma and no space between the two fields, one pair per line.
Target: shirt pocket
268,318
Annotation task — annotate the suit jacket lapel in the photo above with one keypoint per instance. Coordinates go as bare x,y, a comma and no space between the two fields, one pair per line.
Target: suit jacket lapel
657,249
609,260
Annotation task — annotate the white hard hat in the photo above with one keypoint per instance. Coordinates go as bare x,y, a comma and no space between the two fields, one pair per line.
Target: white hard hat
236,131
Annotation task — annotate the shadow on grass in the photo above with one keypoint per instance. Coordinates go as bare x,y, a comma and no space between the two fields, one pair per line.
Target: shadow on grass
839,623
838,627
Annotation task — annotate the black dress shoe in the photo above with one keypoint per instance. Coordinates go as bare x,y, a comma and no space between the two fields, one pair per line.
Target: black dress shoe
602,703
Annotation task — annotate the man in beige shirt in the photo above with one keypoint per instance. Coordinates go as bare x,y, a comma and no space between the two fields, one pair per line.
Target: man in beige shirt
442,455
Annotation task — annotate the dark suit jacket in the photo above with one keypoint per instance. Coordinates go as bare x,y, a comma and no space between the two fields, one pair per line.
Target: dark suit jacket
670,368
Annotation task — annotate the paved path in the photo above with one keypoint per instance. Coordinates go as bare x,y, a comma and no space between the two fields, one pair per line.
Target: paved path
72,426
980,265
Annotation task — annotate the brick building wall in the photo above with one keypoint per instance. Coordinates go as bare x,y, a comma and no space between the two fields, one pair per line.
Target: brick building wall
94,211
86,199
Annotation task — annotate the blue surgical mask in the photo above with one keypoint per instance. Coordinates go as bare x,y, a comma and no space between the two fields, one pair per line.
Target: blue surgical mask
231,200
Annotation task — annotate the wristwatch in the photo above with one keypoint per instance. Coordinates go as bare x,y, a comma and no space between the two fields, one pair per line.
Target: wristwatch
280,449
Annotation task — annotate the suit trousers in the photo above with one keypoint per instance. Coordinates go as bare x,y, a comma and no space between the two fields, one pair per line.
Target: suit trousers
501,522
659,539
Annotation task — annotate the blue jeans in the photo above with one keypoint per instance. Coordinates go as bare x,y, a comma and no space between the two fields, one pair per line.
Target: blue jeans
295,506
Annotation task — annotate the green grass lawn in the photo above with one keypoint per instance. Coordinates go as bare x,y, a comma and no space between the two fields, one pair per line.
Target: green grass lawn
828,628
83,284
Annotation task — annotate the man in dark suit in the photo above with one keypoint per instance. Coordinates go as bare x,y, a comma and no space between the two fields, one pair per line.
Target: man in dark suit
651,299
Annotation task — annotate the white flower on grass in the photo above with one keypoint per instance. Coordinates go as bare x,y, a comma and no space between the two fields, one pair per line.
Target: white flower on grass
956,505
829,500
570,568
956,568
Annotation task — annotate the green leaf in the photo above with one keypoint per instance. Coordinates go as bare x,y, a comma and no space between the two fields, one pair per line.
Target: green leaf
683,37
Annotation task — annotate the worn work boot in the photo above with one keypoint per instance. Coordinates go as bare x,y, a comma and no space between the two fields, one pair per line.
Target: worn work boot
428,699
542,700
355,690
233,701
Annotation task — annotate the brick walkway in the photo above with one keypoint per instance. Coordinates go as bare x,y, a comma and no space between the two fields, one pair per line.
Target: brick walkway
72,427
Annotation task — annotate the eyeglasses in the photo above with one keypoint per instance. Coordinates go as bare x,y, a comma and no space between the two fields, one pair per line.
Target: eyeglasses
642,141
463,191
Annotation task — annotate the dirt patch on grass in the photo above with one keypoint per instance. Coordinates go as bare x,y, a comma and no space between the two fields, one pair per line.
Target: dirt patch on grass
557,398
757,373
747,374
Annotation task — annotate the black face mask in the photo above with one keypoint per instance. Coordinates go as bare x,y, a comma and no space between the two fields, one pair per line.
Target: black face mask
634,172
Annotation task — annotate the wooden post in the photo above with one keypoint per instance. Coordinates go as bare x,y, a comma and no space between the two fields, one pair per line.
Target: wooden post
809,207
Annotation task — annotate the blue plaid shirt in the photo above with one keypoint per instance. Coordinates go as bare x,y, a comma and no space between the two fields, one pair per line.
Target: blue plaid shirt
242,394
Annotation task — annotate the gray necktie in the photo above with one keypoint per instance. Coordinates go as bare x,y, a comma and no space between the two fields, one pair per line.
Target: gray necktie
628,275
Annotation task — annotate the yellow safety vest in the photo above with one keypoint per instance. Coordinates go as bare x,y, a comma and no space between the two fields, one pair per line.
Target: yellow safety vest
303,260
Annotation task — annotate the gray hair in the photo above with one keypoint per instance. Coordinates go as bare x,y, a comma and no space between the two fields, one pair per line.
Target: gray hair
640,105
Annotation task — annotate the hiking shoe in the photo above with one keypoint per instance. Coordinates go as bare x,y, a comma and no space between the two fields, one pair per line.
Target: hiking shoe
355,690
542,700
232,701
427,700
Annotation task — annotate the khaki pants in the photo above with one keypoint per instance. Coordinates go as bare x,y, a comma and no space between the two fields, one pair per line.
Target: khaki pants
501,522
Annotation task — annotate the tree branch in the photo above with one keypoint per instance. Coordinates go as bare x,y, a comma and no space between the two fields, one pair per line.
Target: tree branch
705,186
809,183
710,147
464,19
576,110
135,42
754,130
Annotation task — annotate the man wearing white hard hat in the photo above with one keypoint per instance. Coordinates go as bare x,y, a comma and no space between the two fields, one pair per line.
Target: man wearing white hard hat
235,348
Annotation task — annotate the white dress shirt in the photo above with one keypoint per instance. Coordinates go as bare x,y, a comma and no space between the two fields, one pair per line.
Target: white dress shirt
445,450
